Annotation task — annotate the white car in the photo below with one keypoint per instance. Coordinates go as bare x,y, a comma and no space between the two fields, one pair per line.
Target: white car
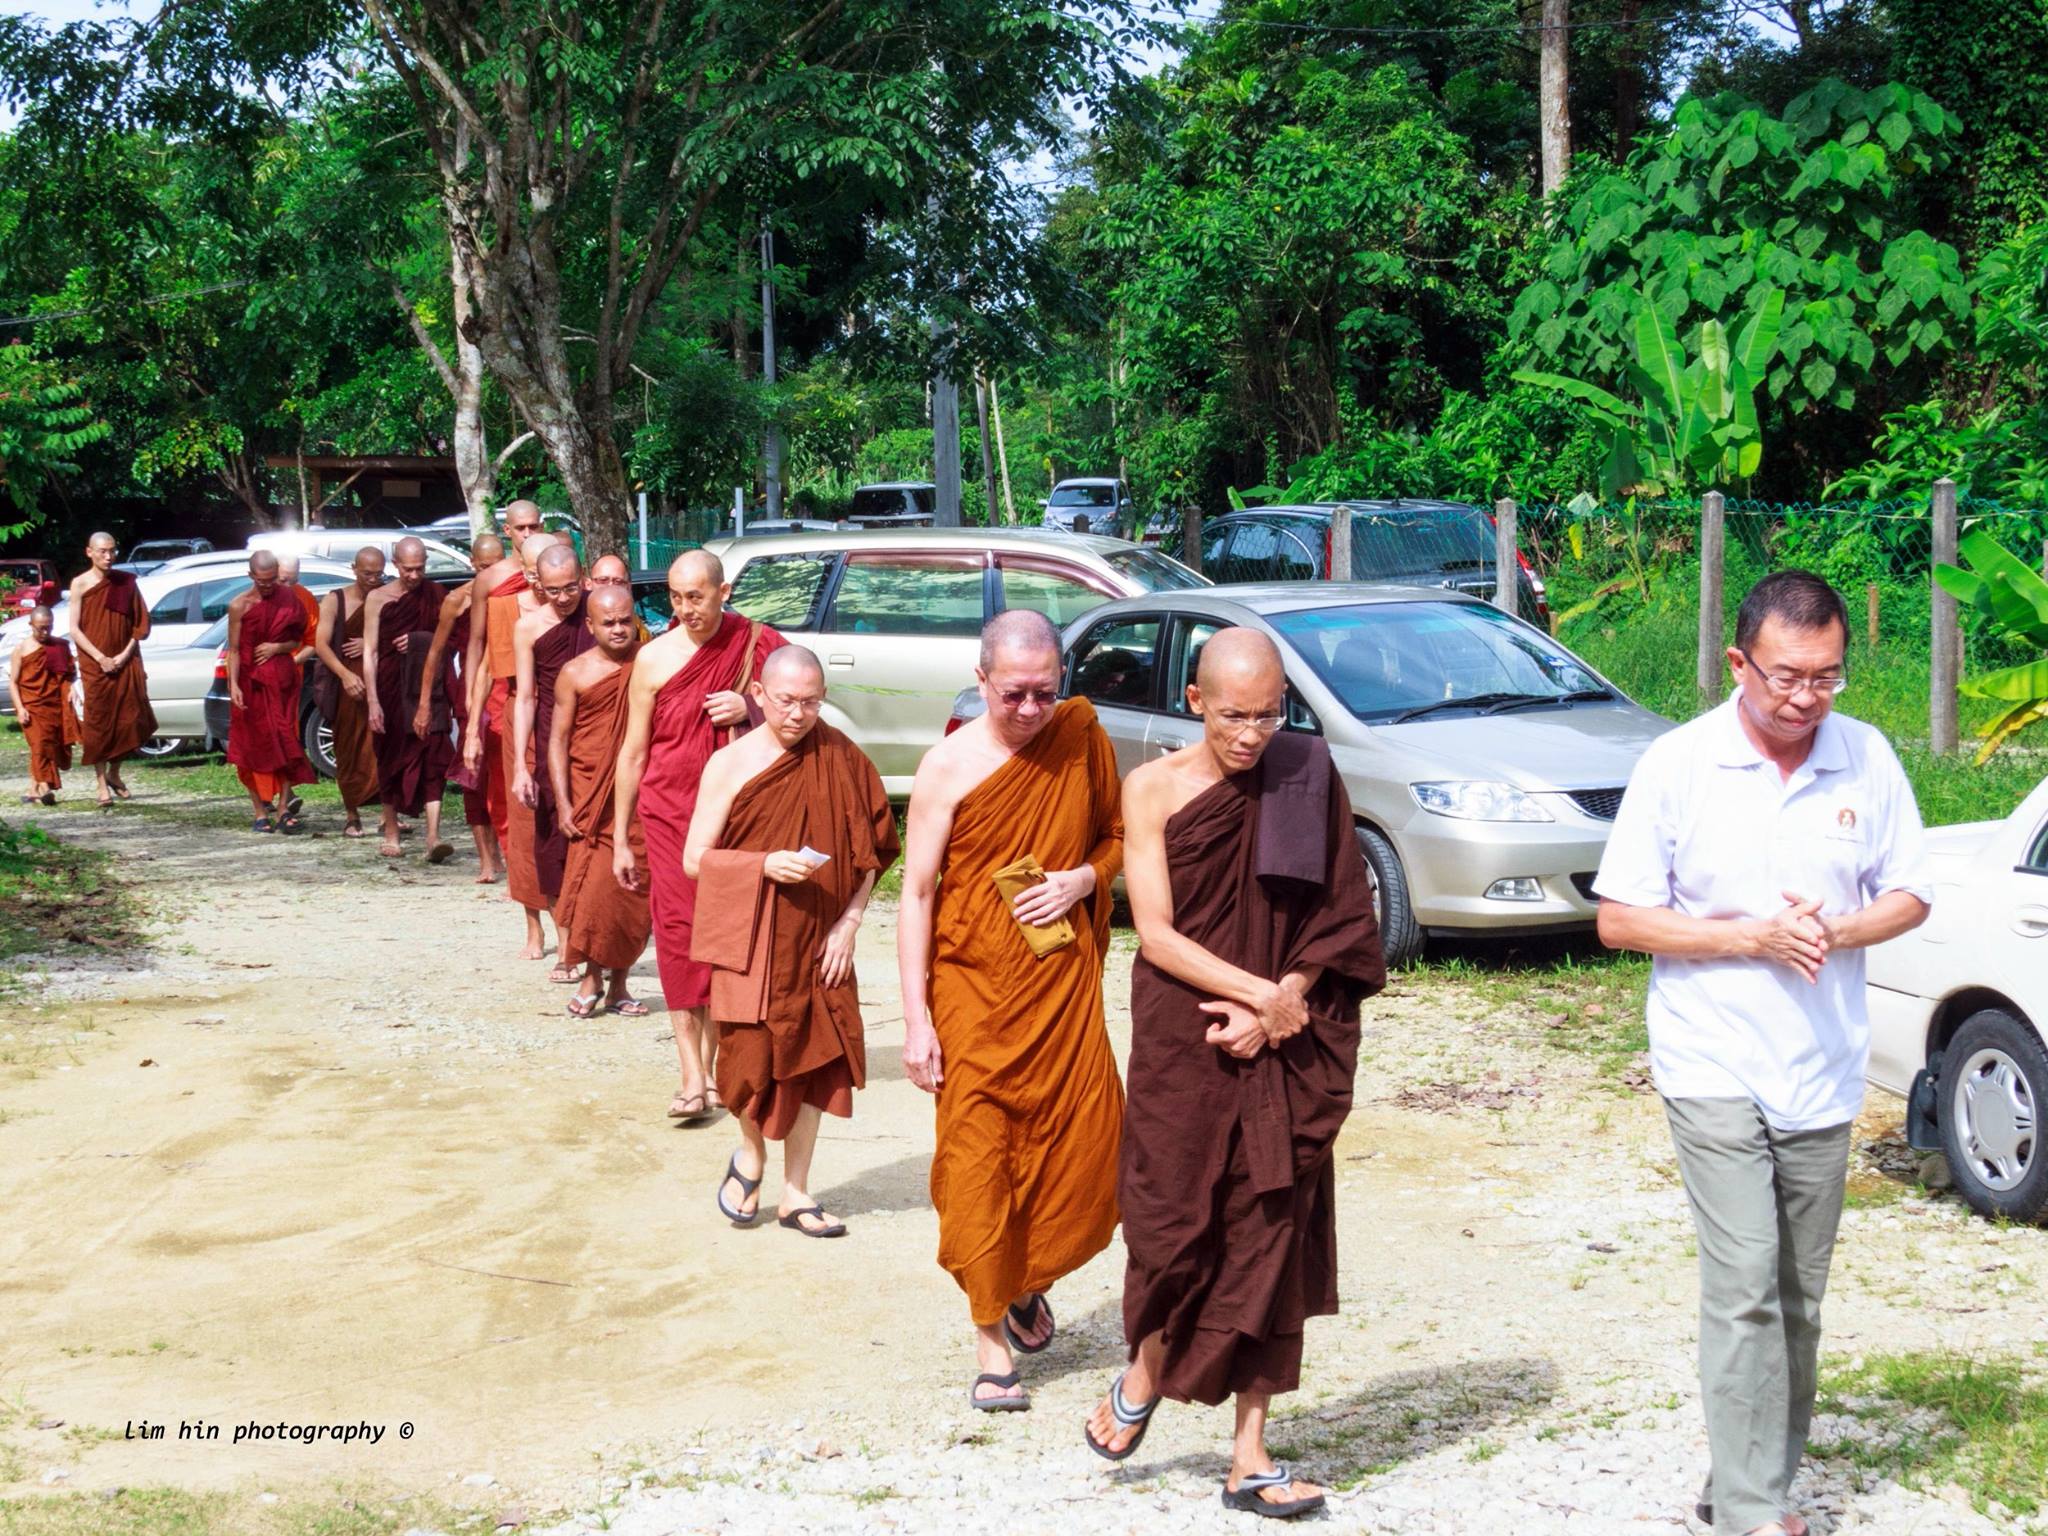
445,563
1959,1011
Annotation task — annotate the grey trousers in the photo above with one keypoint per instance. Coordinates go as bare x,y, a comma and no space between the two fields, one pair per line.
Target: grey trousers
1766,1205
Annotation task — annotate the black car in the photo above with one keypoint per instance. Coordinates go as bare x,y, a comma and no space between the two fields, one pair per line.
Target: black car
1417,543
650,600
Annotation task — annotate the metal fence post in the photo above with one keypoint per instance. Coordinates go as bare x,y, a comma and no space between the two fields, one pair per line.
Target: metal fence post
1340,544
1507,585
1945,643
1713,622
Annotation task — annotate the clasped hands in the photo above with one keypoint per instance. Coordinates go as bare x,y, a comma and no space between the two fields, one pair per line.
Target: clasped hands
1053,897
1281,1013
1798,936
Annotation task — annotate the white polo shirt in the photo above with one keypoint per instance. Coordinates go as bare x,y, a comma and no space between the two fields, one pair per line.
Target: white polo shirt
1710,828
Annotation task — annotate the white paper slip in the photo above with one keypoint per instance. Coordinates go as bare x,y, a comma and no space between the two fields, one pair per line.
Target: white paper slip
812,857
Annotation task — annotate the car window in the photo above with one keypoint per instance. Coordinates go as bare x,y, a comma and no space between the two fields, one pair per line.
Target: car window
1382,659
174,607
215,596
1149,571
1115,663
657,610
1084,496
782,590
442,568
1060,591
909,594
2037,858
876,504
1423,541
1194,634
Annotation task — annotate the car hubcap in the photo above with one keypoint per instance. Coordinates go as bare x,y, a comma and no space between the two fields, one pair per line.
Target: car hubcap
1995,1116
325,739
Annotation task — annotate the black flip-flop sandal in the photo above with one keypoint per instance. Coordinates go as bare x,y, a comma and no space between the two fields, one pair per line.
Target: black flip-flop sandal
49,797
747,1187
1015,1322
1126,1417
293,804
290,825
1245,1496
259,824
795,1222
999,1404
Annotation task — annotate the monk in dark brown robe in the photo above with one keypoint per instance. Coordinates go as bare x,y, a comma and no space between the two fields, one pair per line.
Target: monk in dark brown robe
599,924
1014,840
109,622
340,690
1257,938
790,831
545,641
412,764
450,657
40,674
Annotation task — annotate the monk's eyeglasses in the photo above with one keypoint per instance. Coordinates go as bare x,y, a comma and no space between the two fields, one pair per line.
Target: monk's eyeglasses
1044,698
552,593
1237,725
808,706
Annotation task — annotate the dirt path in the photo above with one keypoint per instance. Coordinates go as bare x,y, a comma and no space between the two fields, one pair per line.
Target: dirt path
330,1156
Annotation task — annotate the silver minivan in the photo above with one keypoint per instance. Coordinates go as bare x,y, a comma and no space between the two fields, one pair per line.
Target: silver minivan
1484,761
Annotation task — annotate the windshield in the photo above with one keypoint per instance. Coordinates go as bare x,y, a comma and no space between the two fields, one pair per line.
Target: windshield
1384,659
1150,571
1084,496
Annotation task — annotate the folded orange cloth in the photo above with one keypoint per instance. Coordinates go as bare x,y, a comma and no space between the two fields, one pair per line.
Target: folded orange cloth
1013,880
734,933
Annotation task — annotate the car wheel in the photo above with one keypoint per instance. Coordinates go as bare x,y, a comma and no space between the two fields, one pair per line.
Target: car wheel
318,738
1400,934
160,746
1994,1077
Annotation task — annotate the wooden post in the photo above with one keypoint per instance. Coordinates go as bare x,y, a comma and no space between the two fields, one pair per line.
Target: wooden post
1944,644
1870,600
1713,665
1340,544
1191,539
995,410
1507,584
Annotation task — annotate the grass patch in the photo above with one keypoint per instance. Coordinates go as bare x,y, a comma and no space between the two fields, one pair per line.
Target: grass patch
175,1512
55,897
1937,1417
1586,1000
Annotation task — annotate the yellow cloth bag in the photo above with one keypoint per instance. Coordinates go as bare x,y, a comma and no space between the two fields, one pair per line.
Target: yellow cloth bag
1016,878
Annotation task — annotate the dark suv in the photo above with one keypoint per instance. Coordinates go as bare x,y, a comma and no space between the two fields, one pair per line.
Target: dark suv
1417,543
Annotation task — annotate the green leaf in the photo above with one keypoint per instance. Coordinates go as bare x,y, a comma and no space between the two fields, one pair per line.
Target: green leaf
1818,377
1894,129
1577,389
1657,352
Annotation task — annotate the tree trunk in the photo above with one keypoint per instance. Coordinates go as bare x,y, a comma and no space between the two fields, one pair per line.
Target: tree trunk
1628,81
475,471
1553,82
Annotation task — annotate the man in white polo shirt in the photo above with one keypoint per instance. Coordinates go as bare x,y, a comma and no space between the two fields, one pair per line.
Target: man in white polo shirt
1759,850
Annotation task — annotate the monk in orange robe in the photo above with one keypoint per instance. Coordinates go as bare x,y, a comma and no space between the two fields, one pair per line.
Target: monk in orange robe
500,597
266,626
790,831
599,924
109,622
341,691
1254,913
1014,838
288,573
40,674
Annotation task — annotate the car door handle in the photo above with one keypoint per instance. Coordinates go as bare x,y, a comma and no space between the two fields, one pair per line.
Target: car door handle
839,661
1166,744
2030,922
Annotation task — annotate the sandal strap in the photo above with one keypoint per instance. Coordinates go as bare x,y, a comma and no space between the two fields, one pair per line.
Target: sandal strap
732,1169
993,1380
1123,1412
1279,1477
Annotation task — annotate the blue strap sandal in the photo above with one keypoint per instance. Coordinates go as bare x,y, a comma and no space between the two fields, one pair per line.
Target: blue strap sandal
1245,1496
1127,1417
747,1186
1014,1399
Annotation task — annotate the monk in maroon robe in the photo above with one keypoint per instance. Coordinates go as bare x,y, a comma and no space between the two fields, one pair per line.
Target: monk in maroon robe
266,628
684,703
109,622
398,641
1257,944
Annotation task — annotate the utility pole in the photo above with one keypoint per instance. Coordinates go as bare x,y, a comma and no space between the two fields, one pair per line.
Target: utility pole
988,461
945,436
772,452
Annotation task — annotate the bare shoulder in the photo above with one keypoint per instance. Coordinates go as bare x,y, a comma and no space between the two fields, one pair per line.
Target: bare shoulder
662,658
579,672
532,625
492,576
954,767
239,603
380,597
83,583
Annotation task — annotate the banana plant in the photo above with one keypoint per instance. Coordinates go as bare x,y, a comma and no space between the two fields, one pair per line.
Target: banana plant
2011,600
1694,421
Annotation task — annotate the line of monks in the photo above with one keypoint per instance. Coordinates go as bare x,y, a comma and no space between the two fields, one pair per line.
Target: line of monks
684,788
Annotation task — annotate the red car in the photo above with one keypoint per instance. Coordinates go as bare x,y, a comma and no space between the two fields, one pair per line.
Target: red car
28,584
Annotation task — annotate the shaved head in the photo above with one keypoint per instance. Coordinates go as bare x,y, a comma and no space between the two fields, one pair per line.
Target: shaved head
522,519
369,558
697,563
288,567
263,562
558,559
40,614
609,600
1239,654
488,549
100,540
1023,630
408,549
793,665
609,570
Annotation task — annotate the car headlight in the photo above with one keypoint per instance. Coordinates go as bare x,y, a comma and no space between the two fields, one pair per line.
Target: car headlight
1478,800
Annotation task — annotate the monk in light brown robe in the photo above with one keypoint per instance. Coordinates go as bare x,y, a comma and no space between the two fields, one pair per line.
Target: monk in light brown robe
599,924
109,622
1002,992
790,831
341,693
412,760
545,641
1258,943
266,626
40,674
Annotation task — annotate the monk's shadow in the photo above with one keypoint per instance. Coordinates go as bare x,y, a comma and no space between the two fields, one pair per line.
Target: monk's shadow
904,1185
1389,1420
